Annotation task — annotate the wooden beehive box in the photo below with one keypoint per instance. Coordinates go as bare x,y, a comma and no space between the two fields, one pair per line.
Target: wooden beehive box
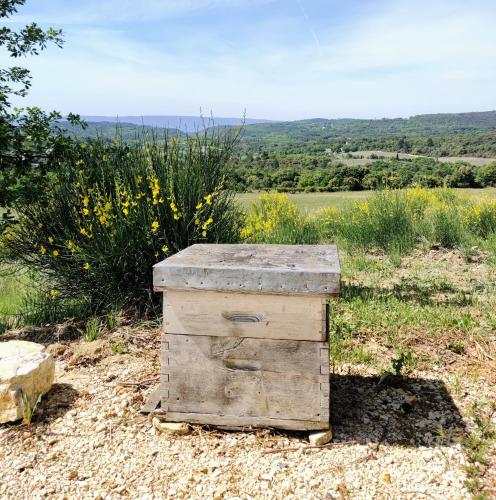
245,338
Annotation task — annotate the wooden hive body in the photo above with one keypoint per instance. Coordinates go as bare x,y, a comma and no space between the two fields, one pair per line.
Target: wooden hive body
245,340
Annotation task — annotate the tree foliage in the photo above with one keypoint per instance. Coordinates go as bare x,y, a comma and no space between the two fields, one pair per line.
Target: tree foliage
28,144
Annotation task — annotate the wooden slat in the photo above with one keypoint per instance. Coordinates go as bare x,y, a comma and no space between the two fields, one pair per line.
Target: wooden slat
244,422
245,378
190,312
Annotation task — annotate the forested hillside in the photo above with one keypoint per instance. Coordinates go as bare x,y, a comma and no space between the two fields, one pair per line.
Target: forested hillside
471,134
351,154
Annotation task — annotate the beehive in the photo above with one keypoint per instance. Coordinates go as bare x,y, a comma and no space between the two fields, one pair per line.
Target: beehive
245,340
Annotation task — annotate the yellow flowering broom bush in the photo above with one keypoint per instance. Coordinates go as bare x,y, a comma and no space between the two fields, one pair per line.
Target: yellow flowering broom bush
116,208
274,219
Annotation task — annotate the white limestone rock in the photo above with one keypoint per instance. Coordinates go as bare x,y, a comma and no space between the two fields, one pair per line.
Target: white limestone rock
24,369
179,428
320,438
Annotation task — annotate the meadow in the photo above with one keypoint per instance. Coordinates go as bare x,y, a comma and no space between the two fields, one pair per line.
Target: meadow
311,202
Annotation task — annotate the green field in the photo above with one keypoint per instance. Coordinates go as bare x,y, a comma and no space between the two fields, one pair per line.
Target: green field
315,201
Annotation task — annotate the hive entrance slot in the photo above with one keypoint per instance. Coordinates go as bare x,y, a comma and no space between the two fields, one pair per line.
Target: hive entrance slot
242,364
241,317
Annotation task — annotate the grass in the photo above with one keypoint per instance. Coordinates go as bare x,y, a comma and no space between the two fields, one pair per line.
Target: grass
13,286
432,302
312,202
477,446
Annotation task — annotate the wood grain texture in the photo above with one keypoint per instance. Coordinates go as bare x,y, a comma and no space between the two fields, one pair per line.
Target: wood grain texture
279,269
238,422
193,312
245,381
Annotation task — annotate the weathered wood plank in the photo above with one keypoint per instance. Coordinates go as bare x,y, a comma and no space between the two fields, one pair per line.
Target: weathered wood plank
244,422
153,400
279,269
245,378
190,312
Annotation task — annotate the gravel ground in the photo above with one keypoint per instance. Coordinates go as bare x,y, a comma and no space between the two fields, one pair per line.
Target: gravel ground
398,439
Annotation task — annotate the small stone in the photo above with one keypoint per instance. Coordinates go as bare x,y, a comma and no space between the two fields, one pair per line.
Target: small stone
179,428
73,474
320,438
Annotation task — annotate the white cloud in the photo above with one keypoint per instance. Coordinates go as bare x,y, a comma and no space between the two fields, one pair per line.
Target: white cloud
409,57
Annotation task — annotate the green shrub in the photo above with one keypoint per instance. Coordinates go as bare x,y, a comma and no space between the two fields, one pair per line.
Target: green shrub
385,221
445,225
274,219
116,209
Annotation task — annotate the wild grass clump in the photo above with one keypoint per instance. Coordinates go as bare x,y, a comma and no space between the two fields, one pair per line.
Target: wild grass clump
115,209
396,221
385,221
274,219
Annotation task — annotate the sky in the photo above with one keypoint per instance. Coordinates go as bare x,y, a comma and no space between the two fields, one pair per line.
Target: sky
276,59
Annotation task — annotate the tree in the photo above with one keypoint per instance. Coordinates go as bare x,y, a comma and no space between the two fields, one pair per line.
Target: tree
28,144
486,175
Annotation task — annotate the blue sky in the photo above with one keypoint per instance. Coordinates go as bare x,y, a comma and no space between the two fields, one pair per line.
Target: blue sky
277,59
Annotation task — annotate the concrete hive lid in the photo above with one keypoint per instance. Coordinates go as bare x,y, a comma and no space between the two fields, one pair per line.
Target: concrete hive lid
284,269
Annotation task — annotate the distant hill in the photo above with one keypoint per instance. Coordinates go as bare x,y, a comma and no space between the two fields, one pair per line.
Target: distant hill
454,134
184,123
445,134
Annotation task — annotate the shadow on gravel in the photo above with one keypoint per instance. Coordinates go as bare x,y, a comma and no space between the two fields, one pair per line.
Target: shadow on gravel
55,403
404,411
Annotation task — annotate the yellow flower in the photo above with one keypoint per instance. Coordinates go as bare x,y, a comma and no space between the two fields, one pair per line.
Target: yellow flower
71,246
54,293
86,211
40,226
42,250
199,206
50,239
204,233
176,217
86,200
197,222
55,253
125,211
208,199
104,157
165,249
155,226
86,233
80,162
87,266
173,206
83,146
